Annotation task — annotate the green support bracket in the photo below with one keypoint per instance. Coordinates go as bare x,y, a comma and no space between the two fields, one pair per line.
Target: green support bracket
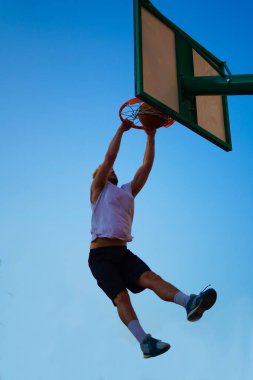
216,85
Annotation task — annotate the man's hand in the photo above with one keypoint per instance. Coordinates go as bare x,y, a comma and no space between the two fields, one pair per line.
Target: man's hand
126,125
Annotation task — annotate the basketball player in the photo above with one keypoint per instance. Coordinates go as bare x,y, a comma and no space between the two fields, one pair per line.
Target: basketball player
113,265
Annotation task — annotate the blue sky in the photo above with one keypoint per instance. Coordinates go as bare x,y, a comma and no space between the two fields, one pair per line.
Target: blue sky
66,67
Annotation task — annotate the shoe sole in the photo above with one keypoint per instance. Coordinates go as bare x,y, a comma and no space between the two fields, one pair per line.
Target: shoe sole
165,349
205,304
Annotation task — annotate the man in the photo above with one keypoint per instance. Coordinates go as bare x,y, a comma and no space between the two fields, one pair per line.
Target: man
116,268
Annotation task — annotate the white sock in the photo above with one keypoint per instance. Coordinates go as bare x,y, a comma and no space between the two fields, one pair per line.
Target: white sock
136,329
181,299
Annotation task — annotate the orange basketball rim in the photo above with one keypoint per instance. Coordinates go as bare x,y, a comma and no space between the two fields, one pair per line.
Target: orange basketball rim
144,115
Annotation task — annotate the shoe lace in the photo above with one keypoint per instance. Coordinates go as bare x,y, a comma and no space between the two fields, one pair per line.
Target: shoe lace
205,288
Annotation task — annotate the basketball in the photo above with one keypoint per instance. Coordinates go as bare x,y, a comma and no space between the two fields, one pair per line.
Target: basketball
150,117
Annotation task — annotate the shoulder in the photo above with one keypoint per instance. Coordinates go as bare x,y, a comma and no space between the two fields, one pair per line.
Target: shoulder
96,193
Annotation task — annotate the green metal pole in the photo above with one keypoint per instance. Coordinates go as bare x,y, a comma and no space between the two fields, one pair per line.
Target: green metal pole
216,85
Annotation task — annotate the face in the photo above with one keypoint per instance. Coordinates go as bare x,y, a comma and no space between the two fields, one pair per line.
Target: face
113,178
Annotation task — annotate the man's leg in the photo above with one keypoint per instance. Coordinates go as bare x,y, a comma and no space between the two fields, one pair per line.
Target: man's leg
150,346
128,315
163,289
124,307
195,305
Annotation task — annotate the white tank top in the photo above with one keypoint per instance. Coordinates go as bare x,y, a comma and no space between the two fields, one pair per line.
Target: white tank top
112,213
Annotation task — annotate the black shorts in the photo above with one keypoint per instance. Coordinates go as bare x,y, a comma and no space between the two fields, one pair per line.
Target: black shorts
116,269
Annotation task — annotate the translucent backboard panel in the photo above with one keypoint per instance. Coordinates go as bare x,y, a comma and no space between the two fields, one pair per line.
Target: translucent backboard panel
210,114
164,56
159,64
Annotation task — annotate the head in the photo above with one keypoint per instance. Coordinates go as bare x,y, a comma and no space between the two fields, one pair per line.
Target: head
112,177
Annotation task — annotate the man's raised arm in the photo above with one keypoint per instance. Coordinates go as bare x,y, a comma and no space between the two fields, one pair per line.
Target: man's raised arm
104,169
142,173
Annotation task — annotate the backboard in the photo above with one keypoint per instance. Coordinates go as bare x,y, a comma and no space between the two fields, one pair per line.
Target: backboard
164,56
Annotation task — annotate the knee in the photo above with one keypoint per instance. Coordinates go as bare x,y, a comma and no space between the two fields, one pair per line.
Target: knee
148,279
122,298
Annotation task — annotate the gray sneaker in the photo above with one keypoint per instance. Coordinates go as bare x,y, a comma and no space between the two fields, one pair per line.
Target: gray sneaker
198,304
153,347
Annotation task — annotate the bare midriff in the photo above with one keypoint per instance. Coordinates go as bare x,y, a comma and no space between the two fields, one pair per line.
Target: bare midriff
106,242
